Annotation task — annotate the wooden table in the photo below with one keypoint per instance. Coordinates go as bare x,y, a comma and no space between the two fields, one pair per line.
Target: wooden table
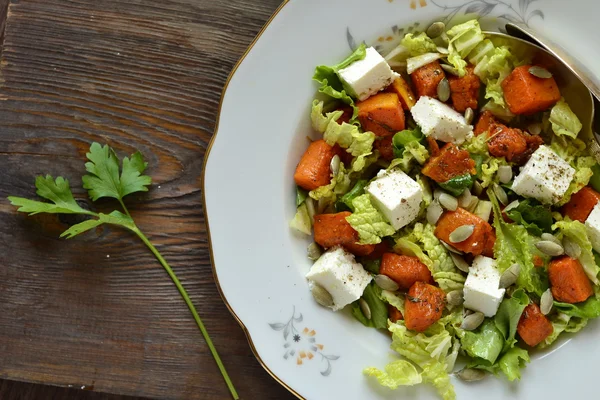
98,311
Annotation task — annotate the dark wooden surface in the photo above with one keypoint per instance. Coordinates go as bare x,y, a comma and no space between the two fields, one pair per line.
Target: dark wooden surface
98,311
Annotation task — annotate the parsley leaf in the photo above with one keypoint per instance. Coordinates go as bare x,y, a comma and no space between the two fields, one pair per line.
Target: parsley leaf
57,191
104,179
114,218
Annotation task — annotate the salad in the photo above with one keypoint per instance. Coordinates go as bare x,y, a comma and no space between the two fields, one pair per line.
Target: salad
452,203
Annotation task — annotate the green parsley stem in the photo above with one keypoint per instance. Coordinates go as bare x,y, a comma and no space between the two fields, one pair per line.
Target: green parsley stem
190,305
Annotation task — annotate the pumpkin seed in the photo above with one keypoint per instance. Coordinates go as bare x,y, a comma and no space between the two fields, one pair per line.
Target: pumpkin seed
471,207
314,251
321,295
535,129
459,262
500,194
505,173
434,212
469,115
386,283
449,69
467,312
540,72
572,249
546,302
510,276
450,248
472,321
464,200
461,233
550,248
364,307
510,291
310,208
437,193
443,50
550,237
322,204
455,297
477,188
513,204
445,39
448,202
436,29
335,165
471,374
443,90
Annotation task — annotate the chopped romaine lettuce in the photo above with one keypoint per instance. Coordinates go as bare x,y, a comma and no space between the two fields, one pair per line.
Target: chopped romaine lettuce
484,343
345,202
588,309
368,222
583,173
535,217
331,85
515,245
379,311
510,364
397,373
463,39
393,299
301,195
419,44
301,221
339,185
508,315
564,121
576,231
563,323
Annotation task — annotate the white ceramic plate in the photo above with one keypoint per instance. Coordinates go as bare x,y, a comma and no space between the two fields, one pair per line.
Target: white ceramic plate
259,263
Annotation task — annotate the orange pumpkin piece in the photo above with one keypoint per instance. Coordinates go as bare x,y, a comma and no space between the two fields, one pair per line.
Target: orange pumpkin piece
333,230
423,306
528,94
385,147
426,79
533,326
485,121
434,147
568,280
346,116
314,170
480,242
464,90
404,270
394,314
506,142
404,92
581,204
382,114
450,163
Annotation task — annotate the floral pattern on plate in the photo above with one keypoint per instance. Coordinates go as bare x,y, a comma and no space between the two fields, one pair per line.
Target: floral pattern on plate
302,344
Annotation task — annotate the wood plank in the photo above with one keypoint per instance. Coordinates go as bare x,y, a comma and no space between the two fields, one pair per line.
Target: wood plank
98,310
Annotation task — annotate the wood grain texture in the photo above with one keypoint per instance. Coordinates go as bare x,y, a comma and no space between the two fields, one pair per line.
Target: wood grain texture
99,311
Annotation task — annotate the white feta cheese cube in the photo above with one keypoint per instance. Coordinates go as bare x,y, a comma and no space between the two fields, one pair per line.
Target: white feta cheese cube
592,224
545,177
441,122
481,288
397,196
338,273
366,77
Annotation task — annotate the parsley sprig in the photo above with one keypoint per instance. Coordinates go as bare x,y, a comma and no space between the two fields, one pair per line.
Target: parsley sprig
106,178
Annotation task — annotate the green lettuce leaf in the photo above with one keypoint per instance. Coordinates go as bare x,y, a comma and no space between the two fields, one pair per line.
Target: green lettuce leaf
515,245
458,184
330,83
511,363
397,373
562,323
338,186
302,221
368,222
535,217
508,315
588,309
429,351
464,38
411,153
583,173
493,71
484,343
576,231
301,195
393,299
402,138
379,311
564,121
595,179
419,44
345,202
437,259
568,149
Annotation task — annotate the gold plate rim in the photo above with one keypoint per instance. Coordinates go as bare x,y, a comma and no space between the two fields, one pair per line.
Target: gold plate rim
203,175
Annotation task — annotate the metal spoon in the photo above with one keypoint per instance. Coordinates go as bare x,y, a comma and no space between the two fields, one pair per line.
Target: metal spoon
576,67
572,88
